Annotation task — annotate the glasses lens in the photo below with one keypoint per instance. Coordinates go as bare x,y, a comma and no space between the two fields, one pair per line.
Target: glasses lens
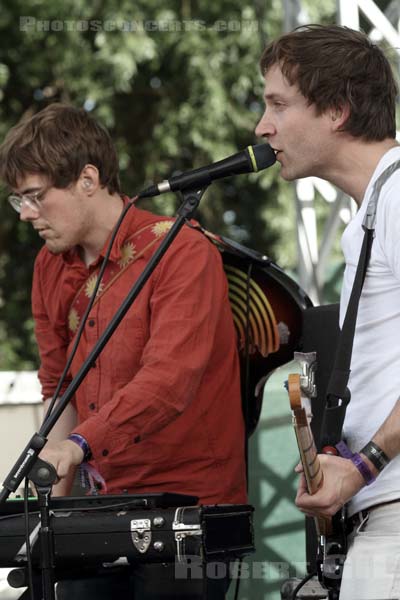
16,202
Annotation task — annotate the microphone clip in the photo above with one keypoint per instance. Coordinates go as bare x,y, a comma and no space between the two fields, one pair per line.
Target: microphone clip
191,201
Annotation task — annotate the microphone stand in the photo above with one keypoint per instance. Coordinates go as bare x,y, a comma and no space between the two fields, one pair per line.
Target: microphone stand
44,475
29,456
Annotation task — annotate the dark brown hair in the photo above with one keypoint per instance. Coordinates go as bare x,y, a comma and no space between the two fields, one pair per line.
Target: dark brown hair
58,142
335,66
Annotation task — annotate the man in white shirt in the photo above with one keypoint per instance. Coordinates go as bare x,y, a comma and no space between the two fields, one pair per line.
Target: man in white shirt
330,113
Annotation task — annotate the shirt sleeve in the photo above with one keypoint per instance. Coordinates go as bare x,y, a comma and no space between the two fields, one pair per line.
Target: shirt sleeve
189,293
51,340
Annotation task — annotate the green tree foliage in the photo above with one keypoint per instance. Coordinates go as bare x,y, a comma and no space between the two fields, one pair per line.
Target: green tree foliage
178,87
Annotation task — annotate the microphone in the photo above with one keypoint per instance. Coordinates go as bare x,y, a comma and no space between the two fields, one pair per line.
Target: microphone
251,160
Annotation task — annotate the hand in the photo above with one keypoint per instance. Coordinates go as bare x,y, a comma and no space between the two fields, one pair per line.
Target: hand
342,481
63,455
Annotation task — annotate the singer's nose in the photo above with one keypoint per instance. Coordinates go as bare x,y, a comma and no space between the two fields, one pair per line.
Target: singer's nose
264,127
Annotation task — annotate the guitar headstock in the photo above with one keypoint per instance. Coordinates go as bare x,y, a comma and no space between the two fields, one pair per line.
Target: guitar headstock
301,386
294,391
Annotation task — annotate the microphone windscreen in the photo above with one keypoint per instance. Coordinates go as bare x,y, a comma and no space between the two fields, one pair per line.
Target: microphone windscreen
262,156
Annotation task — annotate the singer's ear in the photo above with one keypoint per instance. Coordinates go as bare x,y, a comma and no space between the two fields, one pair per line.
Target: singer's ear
339,116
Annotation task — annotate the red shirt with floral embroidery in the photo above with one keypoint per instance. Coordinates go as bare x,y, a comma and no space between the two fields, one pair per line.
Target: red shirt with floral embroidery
161,408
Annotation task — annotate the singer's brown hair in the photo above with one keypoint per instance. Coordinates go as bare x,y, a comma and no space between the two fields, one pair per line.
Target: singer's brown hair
335,66
57,143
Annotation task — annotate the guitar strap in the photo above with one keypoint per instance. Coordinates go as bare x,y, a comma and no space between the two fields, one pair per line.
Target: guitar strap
338,394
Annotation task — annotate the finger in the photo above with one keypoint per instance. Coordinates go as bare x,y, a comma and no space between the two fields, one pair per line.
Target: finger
63,468
302,485
307,513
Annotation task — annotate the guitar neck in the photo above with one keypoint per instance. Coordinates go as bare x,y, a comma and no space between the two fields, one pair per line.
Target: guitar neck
307,449
308,452
311,464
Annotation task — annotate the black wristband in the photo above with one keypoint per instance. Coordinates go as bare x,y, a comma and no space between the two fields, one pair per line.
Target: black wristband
376,455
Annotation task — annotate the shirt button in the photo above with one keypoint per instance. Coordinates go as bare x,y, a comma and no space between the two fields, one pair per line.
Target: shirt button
105,452
92,323
136,439
92,406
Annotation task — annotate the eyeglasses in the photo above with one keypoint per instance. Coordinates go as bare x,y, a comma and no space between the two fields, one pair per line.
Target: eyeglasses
32,201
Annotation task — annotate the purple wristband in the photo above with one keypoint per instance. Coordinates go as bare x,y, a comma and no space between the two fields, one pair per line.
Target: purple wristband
357,461
83,445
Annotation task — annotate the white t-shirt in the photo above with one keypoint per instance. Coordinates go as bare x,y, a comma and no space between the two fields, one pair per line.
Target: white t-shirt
375,366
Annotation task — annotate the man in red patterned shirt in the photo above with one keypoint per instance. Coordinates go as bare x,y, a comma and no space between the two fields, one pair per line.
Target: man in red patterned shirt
160,410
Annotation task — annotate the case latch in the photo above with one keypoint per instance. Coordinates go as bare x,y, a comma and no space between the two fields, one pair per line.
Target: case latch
141,534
